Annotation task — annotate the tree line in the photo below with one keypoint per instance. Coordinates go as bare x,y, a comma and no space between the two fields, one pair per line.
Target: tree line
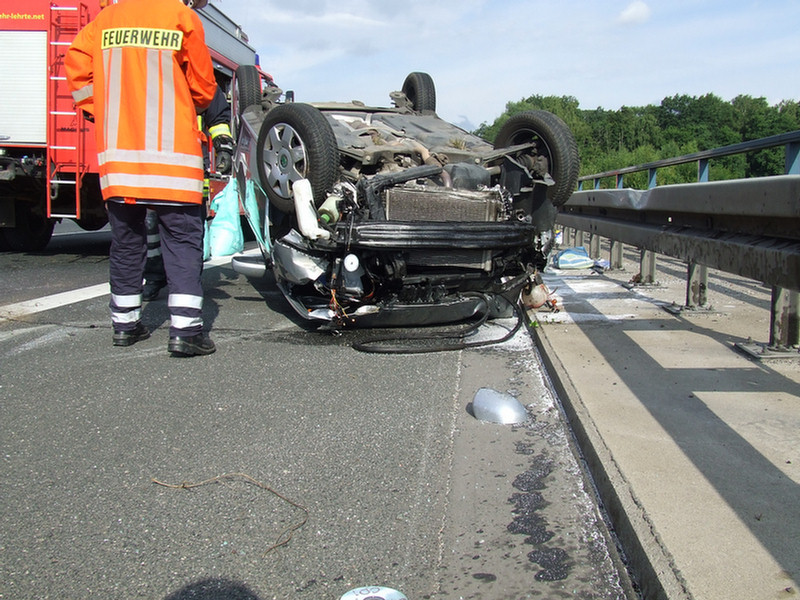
681,124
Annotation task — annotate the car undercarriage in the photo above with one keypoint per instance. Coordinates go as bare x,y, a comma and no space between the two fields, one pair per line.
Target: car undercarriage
375,216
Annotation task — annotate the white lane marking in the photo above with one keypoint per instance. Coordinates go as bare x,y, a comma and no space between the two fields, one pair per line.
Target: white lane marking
37,305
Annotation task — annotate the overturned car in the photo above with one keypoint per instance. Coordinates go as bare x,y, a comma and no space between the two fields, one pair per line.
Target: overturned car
375,216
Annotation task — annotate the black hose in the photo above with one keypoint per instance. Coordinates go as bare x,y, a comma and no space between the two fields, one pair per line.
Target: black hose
378,346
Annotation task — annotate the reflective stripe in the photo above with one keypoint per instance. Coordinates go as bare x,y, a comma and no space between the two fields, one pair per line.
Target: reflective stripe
127,300
179,322
185,184
126,317
167,102
113,60
84,93
151,103
185,301
153,238
173,159
154,252
221,129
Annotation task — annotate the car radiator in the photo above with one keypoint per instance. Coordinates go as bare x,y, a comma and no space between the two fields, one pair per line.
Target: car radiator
426,203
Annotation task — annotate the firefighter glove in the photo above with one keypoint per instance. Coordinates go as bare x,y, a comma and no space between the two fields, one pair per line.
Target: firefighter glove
223,153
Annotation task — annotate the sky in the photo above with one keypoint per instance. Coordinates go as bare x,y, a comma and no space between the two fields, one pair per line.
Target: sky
482,54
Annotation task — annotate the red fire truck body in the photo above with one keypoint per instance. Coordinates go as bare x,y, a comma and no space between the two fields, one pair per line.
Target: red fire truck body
48,160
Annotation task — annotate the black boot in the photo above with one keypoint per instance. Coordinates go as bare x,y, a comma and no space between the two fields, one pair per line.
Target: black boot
193,345
128,338
152,289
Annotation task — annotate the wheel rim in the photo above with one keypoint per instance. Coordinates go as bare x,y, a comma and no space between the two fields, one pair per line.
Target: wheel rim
526,136
285,158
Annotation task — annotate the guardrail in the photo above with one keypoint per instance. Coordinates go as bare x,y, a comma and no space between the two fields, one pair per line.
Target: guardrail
748,227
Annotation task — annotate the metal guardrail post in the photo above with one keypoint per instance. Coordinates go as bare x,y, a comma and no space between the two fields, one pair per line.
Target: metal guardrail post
793,320
594,246
702,170
652,178
775,318
696,286
615,258
647,267
783,322
793,158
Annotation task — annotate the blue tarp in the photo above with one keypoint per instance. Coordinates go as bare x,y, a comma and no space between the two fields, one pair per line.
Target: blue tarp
573,258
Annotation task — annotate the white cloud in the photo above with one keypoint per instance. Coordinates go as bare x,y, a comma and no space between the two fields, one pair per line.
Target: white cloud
636,12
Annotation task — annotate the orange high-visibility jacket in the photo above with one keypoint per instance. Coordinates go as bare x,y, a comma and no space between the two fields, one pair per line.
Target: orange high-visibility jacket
143,69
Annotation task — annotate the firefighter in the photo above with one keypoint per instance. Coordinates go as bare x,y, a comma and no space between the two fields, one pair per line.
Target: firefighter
143,70
215,119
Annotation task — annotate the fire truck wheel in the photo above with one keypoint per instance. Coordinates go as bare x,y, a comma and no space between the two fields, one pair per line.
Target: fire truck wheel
31,234
93,223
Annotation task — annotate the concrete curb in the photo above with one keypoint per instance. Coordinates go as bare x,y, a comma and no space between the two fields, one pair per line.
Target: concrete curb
650,564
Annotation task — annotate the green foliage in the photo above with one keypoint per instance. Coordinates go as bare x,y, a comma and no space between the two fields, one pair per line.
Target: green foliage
681,124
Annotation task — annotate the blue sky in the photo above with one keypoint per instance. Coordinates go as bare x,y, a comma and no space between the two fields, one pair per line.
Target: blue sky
483,53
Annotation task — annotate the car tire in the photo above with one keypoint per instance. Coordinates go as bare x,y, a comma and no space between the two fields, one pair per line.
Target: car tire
296,142
246,92
420,91
556,143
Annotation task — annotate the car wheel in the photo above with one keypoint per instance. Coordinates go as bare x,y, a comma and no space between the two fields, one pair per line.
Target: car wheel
246,92
554,141
419,89
295,142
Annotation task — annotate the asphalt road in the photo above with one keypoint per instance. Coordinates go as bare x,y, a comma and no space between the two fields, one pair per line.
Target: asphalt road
320,469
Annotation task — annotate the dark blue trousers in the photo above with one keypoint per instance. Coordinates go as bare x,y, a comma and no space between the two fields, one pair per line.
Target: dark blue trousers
181,230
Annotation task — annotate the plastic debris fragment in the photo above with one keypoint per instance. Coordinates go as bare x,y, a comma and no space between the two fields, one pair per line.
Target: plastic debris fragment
373,592
497,407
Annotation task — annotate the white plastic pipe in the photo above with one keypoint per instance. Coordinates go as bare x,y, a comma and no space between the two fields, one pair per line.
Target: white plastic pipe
305,211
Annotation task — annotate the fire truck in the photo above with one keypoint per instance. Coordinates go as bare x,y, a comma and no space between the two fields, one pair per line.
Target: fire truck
48,159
